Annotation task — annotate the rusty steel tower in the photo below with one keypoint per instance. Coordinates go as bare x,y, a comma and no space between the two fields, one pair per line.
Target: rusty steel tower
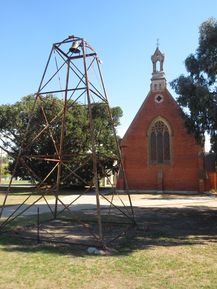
73,74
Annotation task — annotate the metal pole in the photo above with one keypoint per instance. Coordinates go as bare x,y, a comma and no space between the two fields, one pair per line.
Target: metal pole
117,144
38,226
61,141
93,146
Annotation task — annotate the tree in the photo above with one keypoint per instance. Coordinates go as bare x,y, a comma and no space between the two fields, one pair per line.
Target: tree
77,143
197,92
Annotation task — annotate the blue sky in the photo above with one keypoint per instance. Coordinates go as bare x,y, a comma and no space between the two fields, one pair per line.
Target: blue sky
123,33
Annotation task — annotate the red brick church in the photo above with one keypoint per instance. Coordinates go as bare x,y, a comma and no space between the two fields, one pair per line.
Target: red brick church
159,155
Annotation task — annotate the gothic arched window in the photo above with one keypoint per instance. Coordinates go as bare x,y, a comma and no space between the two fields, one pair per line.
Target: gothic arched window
159,143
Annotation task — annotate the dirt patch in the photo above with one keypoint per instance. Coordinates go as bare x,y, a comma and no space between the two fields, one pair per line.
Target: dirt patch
180,219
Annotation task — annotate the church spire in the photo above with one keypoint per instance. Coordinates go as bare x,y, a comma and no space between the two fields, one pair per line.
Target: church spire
158,80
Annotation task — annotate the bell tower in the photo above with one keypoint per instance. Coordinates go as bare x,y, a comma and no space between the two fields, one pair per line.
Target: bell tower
158,80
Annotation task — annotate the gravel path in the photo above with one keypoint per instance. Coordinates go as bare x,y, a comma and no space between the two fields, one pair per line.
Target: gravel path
138,200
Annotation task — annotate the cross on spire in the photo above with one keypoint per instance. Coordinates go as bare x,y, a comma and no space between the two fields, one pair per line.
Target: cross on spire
158,43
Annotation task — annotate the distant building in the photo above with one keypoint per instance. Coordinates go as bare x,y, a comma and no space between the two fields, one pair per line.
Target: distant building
159,155
109,180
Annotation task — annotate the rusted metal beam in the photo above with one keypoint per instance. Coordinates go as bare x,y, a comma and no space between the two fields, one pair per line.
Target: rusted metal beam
93,147
117,144
11,218
62,90
62,135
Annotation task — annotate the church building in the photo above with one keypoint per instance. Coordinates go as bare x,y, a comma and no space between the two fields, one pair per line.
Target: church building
159,155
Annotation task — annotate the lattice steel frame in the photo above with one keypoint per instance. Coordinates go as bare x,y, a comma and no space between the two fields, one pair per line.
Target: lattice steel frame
88,89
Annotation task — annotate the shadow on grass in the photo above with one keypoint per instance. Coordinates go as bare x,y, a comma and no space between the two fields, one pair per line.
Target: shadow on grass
155,227
13,244
175,226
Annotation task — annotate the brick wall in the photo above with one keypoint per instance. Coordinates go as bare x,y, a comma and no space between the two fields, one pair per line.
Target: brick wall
183,173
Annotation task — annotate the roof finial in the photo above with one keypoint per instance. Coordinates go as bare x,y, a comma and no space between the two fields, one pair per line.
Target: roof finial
158,43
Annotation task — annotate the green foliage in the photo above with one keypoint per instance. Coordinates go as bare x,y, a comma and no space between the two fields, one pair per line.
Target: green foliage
77,141
197,92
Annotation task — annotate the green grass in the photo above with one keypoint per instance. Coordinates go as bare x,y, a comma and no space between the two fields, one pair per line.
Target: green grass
20,197
172,249
18,194
26,265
